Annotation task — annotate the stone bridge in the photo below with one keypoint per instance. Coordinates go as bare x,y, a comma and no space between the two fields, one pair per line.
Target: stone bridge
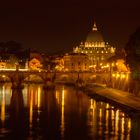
19,77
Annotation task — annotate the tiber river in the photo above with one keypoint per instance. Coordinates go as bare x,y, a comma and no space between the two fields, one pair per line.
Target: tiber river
61,114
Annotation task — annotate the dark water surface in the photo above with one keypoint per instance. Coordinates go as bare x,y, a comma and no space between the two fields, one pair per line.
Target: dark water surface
61,114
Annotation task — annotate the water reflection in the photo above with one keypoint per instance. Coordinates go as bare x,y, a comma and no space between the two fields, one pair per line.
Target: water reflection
3,107
61,114
16,123
135,130
17,103
2,130
111,123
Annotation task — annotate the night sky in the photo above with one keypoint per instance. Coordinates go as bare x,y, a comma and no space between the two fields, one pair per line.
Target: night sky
58,26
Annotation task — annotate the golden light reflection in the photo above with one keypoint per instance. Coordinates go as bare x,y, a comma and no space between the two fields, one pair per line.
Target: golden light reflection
128,128
62,113
3,106
38,97
117,122
100,113
100,120
107,106
92,117
122,125
91,110
92,106
107,121
129,124
31,109
57,96
122,128
113,119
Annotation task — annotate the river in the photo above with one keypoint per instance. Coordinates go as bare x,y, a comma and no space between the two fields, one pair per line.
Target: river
61,114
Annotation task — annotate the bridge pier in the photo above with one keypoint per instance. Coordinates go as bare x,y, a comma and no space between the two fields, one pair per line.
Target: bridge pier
48,84
16,81
16,85
79,82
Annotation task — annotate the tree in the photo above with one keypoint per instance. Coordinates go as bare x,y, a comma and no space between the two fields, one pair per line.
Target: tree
13,47
2,48
132,50
13,61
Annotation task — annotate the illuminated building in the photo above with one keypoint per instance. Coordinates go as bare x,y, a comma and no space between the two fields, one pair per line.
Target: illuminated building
35,64
59,61
95,47
76,62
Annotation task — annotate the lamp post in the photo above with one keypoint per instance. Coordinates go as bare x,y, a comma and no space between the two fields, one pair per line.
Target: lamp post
17,66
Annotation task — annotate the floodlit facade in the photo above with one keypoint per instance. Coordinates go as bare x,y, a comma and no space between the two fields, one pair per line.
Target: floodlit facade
76,62
96,48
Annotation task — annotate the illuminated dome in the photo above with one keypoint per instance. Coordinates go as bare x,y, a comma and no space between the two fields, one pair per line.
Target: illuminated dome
94,35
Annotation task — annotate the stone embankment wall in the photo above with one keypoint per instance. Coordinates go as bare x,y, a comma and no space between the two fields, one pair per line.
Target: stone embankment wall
121,81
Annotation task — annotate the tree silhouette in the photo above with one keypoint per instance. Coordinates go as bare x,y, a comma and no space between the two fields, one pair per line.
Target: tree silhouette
10,47
13,47
132,50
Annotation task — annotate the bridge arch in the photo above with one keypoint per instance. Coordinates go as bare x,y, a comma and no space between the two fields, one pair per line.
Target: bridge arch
4,78
33,78
18,77
63,77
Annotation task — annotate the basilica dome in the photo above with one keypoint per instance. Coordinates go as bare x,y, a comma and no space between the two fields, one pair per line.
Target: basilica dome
94,35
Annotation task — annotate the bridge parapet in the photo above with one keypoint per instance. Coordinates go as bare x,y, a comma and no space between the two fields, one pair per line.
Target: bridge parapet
17,77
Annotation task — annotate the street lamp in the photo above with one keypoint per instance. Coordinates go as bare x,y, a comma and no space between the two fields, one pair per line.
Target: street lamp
17,66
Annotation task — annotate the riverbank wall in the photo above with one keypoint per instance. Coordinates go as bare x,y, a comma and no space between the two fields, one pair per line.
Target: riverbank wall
125,100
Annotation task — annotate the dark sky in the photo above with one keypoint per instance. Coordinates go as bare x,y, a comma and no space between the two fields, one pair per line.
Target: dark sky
57,26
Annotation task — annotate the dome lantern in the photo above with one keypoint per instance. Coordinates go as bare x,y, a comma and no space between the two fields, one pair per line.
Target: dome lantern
94,27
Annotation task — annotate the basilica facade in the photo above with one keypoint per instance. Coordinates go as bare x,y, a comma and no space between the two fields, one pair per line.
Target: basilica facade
95,48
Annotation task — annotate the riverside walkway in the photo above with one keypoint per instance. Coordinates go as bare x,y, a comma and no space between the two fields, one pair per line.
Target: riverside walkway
122,98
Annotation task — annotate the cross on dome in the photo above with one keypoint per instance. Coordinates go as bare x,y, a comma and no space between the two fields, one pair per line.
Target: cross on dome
94,27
